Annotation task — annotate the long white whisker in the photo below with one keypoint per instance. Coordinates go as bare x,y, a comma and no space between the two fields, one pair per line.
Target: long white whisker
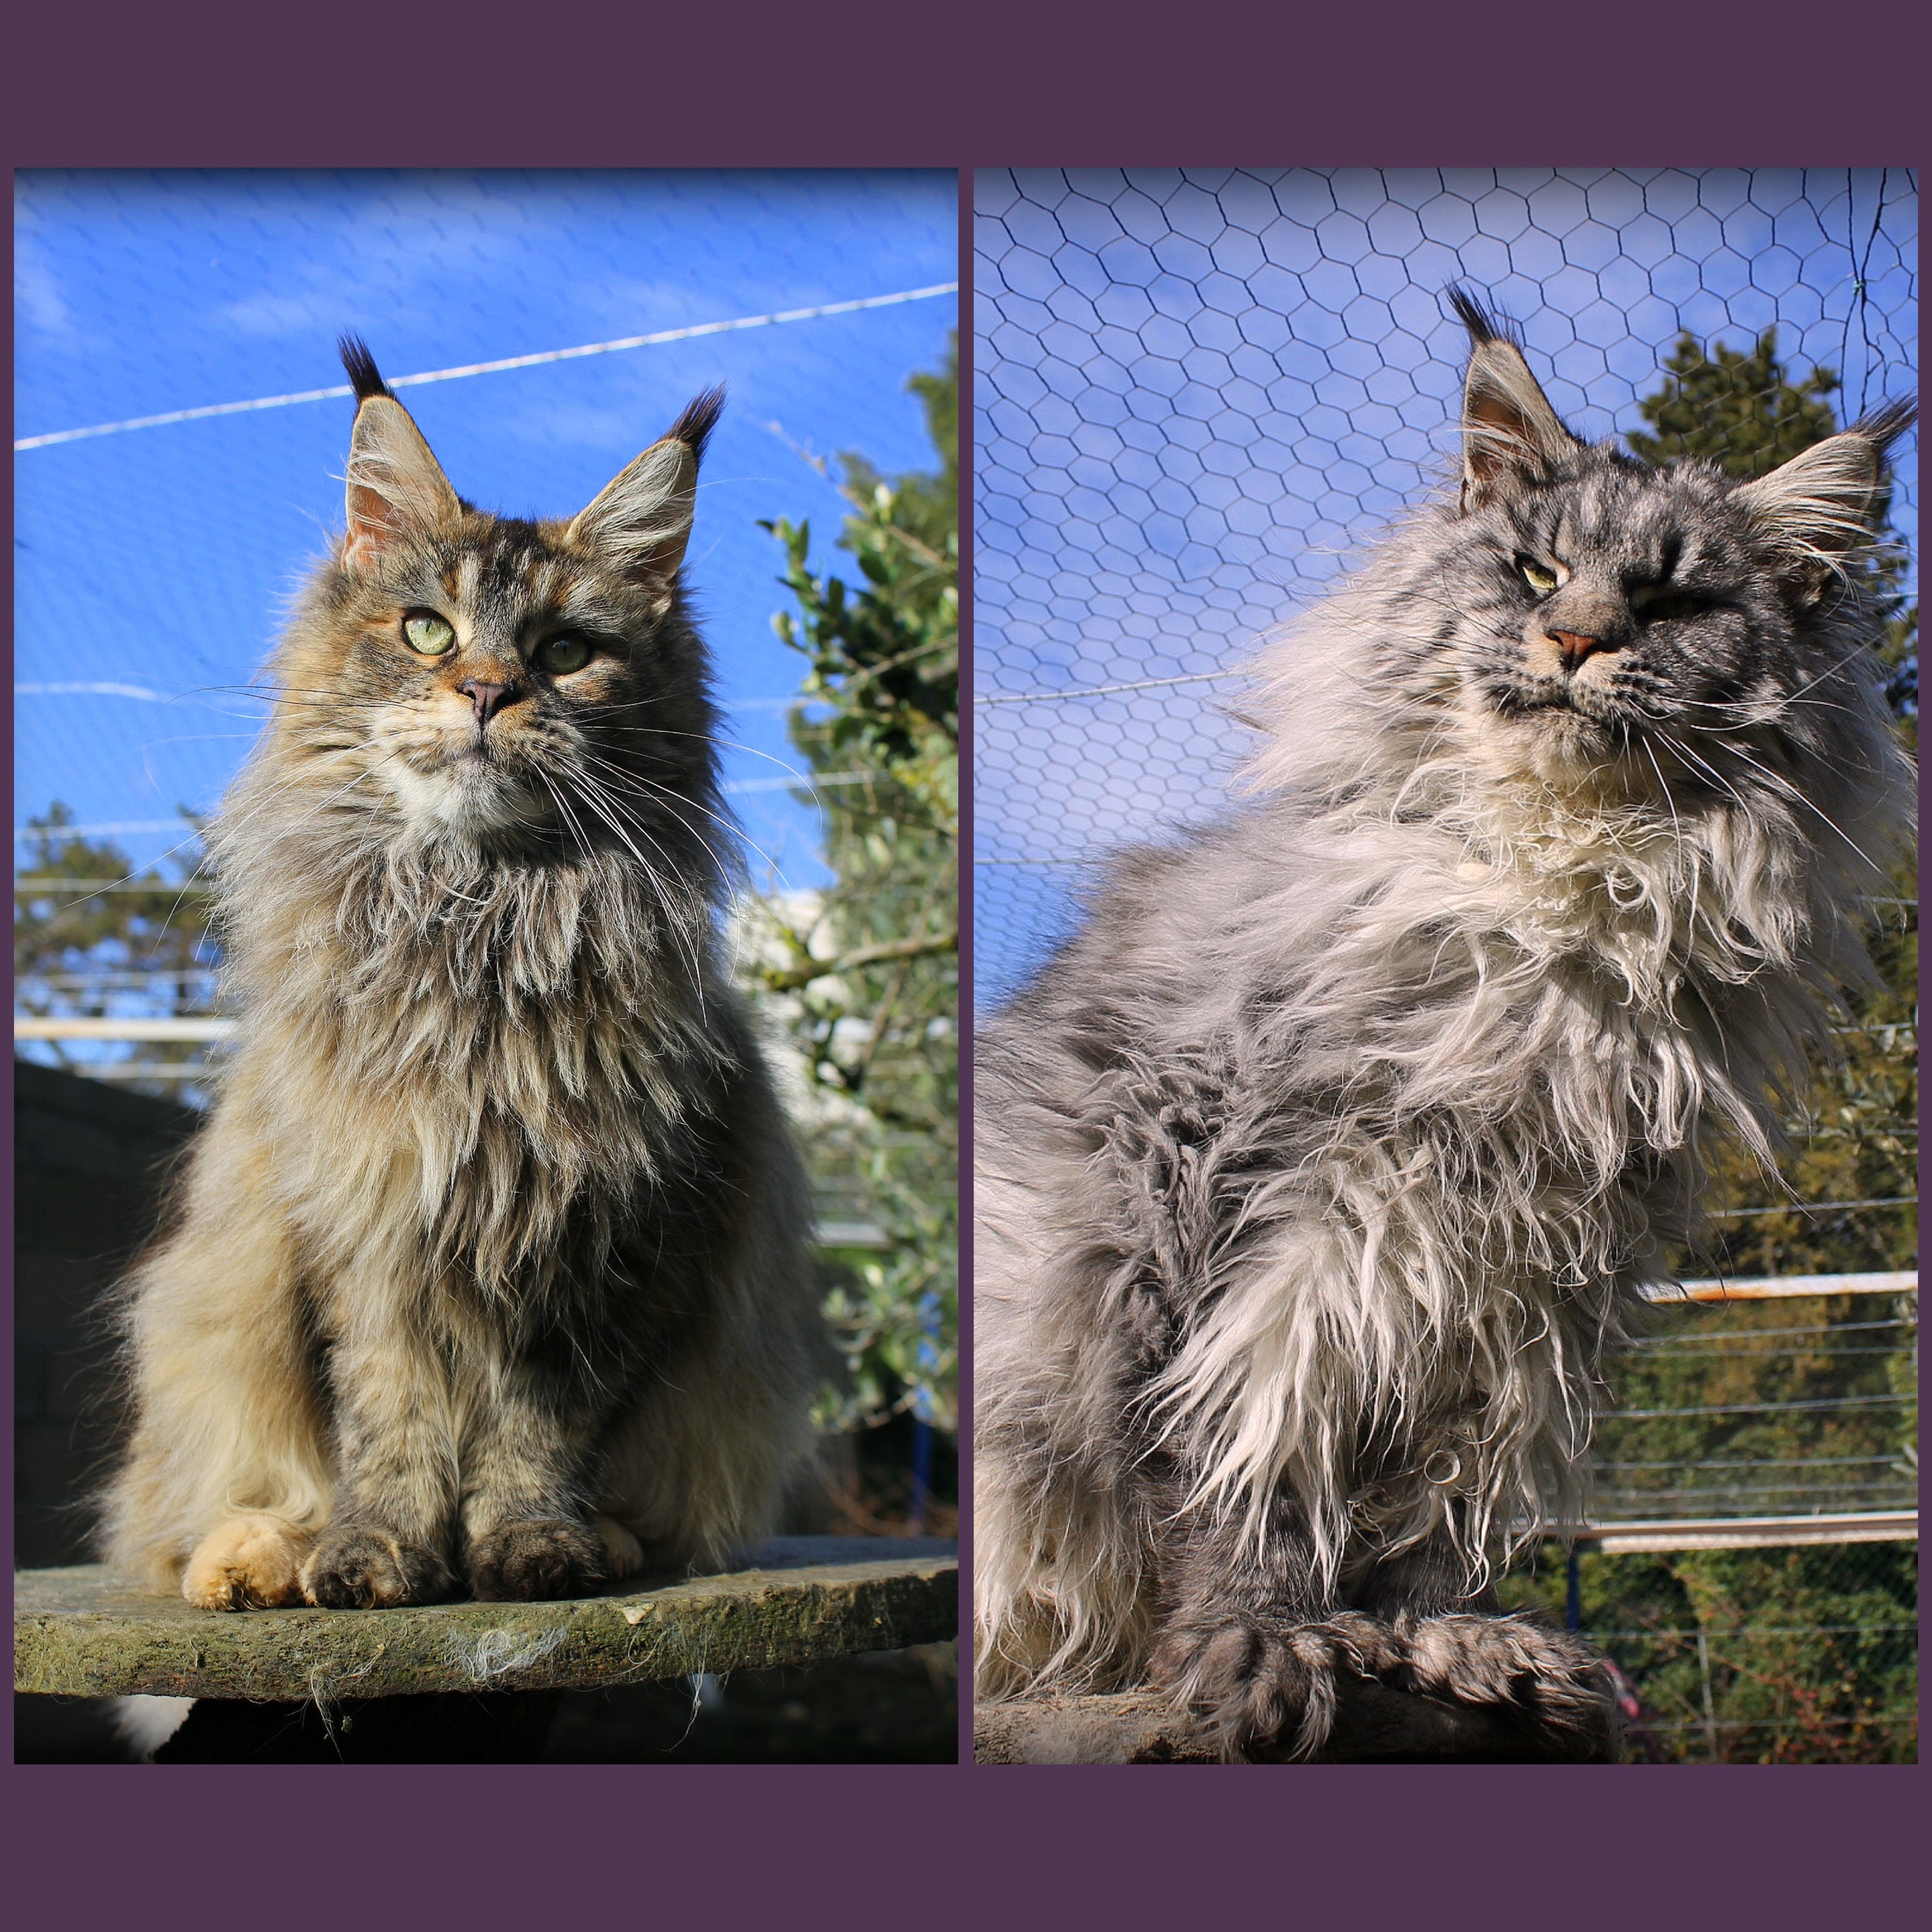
730,744
1786,788
604,810
663,793
563,805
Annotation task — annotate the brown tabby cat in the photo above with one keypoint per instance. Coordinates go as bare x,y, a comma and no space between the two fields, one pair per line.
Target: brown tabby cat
489,1272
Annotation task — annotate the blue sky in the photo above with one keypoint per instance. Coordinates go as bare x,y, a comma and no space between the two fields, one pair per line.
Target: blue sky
161,559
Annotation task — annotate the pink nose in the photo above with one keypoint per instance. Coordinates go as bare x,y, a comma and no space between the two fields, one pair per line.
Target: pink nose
486,700
1575,646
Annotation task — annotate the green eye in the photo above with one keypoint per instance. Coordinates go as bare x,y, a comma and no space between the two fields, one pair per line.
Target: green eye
424,631
1539,579
562,655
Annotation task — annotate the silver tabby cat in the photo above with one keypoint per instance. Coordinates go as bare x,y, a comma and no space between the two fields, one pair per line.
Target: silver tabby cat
489,1272
1314,1174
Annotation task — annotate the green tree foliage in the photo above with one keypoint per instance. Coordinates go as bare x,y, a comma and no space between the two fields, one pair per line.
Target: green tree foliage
92,938
1787,1408
1791,1407
868,973
1793,1655
1854,1134
1736,408
1741,410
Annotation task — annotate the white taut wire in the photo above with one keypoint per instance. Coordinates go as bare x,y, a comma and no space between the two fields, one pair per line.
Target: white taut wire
491,368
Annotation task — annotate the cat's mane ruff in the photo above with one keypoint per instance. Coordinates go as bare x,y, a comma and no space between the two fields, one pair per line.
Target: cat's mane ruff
538,1023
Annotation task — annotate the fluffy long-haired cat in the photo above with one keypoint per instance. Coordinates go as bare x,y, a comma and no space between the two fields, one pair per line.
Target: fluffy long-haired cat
489,1272
1314,1174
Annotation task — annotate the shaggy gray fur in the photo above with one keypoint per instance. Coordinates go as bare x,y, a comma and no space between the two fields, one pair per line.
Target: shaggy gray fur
1314,1174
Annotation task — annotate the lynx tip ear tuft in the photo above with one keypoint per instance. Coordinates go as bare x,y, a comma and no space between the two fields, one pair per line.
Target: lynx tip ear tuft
363,376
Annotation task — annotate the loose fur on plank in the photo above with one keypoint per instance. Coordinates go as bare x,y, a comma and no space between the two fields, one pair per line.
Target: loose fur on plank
1315,1174
489,1271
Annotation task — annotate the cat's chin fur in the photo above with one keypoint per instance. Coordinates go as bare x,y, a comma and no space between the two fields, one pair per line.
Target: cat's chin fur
467,798
1578,758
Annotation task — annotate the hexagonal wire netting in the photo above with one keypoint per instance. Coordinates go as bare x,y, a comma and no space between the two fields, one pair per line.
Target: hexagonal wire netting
1197,392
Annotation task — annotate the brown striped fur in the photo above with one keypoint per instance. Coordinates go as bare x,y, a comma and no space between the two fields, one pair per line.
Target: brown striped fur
489,1271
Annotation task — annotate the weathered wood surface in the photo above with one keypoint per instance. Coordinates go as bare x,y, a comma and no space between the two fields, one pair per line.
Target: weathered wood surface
1374,1724
799,1600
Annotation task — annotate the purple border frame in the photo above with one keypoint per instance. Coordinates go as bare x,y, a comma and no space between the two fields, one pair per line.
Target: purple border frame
223,82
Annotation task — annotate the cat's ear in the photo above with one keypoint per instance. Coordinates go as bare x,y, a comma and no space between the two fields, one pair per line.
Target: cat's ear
1509,429
1818,505
641,519
396,487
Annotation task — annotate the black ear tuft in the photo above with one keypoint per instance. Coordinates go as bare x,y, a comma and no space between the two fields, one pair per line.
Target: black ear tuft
1482,326
693,429
364,377
1884,427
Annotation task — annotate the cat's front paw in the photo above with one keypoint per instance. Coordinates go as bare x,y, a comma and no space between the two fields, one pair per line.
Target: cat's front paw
250,1563
1555,1680
359,1567
1250,1681
547,1556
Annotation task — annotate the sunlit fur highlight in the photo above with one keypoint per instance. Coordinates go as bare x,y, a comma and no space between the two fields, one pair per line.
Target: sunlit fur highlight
1316,1173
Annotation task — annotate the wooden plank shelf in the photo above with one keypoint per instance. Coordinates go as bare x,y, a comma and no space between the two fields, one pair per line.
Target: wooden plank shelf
798,1600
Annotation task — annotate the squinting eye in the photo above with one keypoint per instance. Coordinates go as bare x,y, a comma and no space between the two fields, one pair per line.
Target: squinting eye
424,631
562,656
1539,579
1668,609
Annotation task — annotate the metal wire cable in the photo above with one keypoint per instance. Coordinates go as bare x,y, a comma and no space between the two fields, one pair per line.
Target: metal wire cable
336,391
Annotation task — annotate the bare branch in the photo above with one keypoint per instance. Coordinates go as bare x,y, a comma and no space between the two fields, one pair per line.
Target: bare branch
786,979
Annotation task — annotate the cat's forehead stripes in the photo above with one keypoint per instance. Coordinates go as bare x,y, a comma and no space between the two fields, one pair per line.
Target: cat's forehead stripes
543,577
515,576
1642,529
459,580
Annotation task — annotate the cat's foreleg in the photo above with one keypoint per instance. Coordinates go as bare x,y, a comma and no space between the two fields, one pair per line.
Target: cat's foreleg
388,1540
1453,1642
527,1528
1250,1644
227,1472
1432,1578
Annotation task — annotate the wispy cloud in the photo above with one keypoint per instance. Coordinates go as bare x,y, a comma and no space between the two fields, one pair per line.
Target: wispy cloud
37,300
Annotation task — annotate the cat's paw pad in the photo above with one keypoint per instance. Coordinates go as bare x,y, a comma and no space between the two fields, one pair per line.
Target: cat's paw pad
546,1557
359,1568
250,1563
1554,1678
1255,1681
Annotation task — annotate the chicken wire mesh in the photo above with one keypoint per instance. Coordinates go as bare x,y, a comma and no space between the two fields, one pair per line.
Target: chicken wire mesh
1791,1655
1196,391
